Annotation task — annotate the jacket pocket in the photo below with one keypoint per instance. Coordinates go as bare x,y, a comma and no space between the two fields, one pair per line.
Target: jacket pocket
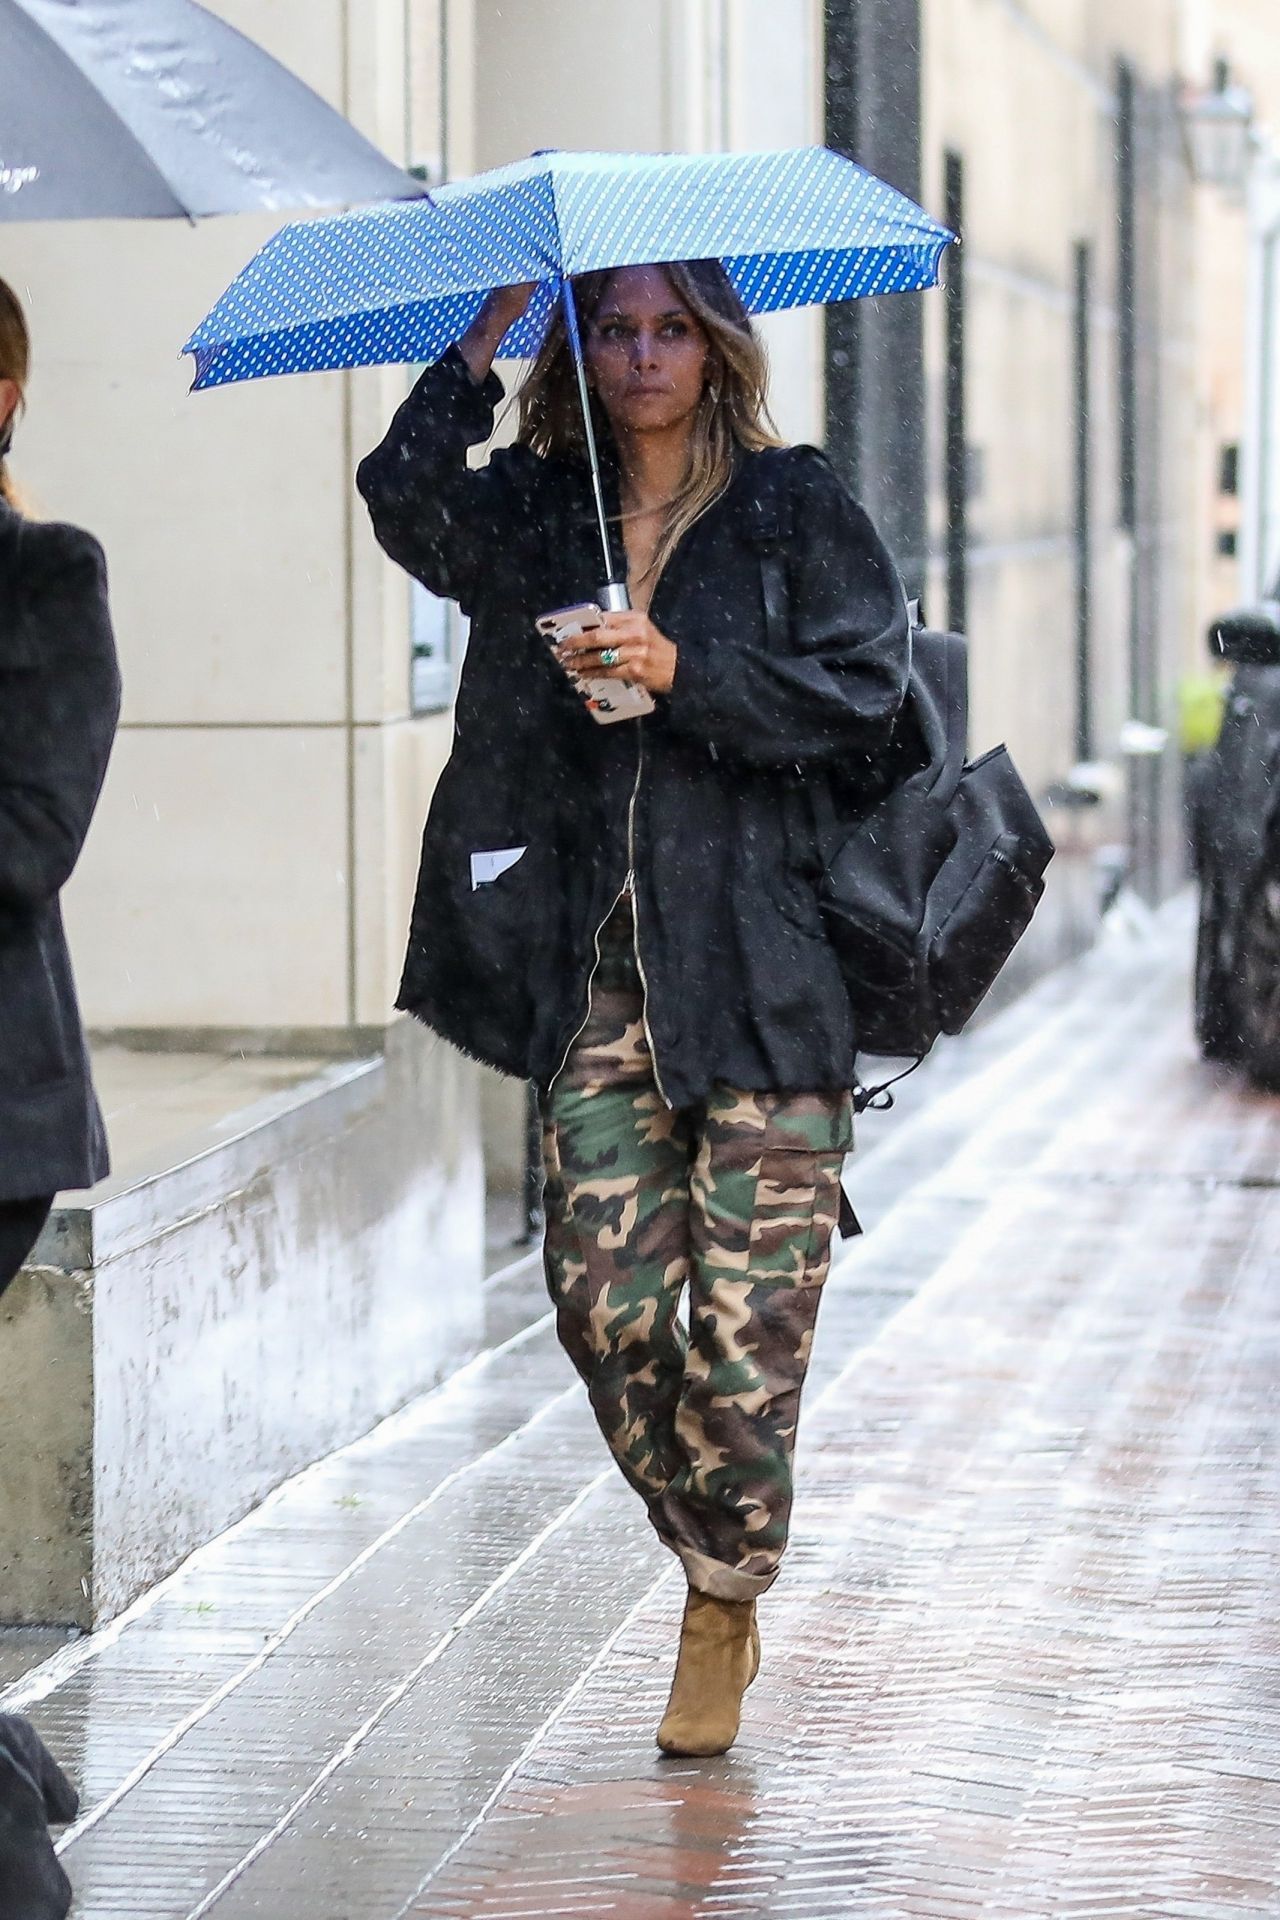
497,918
766,1183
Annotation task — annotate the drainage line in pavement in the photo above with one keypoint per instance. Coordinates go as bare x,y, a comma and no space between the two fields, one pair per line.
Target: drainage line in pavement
398,1693
526,1753
510,1271
290,1627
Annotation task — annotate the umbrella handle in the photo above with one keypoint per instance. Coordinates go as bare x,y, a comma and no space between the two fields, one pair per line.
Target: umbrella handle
610,592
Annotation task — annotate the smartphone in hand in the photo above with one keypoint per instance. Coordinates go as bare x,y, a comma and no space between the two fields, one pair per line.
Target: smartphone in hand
606,700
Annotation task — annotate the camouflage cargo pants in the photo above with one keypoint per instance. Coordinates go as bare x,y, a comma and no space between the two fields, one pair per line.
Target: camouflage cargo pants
732,1203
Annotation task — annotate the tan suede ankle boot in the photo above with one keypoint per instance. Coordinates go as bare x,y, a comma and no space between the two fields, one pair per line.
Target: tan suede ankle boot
719,1658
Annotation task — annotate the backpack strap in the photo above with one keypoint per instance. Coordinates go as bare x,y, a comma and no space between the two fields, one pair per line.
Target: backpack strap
943,659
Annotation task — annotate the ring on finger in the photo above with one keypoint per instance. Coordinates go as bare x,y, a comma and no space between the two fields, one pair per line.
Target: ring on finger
609,656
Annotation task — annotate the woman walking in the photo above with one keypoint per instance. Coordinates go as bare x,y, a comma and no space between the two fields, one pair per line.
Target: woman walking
626,914
59,701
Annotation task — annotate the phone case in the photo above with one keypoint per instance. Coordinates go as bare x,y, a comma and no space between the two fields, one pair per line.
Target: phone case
611,700
607,701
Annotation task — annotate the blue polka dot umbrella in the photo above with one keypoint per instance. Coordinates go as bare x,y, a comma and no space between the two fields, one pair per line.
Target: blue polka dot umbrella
400,283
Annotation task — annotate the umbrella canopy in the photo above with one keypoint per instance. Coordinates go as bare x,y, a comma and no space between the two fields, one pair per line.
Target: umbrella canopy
121,109
399,284
792,229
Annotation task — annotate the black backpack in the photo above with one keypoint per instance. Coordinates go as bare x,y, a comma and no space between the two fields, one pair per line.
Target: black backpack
926,889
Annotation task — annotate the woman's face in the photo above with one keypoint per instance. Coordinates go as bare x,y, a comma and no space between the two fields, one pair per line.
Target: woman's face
646,353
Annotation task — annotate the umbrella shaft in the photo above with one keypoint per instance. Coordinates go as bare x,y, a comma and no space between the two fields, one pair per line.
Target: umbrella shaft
593,456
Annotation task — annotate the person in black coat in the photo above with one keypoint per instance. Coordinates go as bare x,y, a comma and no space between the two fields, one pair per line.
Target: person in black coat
59,702
626,913
35,1794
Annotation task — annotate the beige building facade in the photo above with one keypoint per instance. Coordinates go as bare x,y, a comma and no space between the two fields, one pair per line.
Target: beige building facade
1240,305
1078,270
1235,515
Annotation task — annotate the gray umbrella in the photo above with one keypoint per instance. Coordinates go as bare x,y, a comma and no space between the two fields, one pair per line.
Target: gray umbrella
142,109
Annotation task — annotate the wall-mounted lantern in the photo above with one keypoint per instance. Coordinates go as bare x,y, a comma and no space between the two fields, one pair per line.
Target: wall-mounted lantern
1217,123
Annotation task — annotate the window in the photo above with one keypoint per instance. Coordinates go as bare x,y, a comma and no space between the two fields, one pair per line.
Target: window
437,637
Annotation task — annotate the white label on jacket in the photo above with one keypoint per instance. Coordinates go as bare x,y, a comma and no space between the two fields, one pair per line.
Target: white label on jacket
485,867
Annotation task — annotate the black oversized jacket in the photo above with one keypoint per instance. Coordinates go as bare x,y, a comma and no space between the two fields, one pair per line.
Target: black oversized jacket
741,985
59,701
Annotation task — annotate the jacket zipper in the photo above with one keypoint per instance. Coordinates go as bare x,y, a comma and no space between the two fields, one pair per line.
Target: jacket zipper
595,968
635,916
628,887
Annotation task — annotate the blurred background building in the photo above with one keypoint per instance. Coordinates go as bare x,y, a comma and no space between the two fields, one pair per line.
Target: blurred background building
1072,448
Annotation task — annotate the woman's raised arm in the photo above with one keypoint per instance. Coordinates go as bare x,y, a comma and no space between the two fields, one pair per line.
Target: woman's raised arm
483,337
433,514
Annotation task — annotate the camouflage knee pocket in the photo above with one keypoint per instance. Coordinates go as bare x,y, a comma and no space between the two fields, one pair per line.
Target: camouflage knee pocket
766,1185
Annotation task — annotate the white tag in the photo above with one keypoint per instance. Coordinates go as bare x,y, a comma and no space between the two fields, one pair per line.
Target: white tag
485,867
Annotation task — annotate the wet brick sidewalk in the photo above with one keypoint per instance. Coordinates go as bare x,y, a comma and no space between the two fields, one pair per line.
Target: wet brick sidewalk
1023,1660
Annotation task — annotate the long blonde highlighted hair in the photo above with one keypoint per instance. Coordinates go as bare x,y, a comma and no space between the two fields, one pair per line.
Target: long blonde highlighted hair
15,365
733,414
